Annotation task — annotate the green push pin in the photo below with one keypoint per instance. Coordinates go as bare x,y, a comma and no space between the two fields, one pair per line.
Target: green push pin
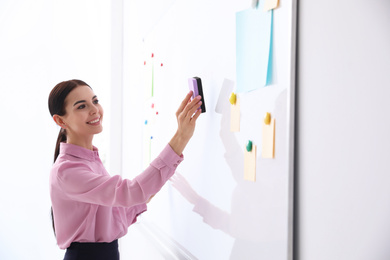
249,146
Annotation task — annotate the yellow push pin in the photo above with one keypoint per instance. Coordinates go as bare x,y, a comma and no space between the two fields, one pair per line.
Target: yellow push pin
267,118
232,98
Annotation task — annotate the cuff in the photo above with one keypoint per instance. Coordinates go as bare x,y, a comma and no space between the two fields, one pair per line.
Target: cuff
169,157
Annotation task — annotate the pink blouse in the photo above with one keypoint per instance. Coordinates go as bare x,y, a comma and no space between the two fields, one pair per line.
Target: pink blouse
89,205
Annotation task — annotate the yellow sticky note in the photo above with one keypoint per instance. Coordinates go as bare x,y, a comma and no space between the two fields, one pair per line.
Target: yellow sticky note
270,4
268,145
235,116
250,164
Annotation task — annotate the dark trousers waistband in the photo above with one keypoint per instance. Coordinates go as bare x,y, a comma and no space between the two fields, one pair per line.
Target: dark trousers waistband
92,251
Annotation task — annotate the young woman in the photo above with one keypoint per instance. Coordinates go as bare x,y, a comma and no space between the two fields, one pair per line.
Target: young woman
90,208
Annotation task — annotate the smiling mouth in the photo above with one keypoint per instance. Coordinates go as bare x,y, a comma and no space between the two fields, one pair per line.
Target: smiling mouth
94,121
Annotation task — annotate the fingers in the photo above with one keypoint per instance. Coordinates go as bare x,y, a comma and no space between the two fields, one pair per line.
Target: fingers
184,102
193,106
197,114
189,107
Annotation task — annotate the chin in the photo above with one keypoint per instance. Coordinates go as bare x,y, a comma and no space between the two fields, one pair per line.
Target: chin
98,131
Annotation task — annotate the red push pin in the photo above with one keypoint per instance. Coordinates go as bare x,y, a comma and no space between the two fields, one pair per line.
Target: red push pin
161,64
152,55
152,105
144,62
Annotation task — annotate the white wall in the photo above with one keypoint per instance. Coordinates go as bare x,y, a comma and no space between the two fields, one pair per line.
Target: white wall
42,42
343,90
342,178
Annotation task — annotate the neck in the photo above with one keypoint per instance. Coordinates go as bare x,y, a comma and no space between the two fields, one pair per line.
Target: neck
83,142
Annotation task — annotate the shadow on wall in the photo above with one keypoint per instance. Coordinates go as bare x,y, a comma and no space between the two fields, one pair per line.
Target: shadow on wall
258,218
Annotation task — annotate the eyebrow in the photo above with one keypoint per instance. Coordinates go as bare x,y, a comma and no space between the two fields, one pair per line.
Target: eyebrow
82,101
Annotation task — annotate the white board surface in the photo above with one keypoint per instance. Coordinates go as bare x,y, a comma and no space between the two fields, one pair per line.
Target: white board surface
233,218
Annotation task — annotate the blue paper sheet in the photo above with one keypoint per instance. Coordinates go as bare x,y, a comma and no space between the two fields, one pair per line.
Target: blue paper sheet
253,49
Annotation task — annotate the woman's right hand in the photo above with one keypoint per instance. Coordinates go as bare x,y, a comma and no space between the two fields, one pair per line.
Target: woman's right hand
186,115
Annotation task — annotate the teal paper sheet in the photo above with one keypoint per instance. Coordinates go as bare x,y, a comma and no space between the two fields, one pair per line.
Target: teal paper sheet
253,49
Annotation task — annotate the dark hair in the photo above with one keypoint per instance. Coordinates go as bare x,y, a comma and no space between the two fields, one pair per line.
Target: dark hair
57,107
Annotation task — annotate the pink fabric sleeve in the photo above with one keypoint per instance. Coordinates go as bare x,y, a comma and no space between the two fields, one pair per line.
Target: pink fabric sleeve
133,212
80,183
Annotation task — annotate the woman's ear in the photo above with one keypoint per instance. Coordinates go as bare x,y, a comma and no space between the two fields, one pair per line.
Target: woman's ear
59,121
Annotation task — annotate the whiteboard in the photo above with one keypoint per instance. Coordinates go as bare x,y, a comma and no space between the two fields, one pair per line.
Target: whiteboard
215,213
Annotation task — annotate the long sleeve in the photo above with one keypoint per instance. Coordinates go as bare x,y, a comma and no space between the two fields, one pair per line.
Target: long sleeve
80,182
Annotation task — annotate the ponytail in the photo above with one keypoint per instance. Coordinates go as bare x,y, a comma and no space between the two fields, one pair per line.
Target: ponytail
60,139
52,221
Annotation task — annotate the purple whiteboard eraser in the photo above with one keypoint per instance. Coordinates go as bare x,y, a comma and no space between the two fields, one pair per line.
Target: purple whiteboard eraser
195,84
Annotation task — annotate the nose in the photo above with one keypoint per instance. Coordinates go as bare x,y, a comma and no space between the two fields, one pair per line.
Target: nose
94,109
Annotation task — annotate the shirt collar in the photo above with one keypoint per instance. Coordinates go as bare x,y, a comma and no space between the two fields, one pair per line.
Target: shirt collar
78,151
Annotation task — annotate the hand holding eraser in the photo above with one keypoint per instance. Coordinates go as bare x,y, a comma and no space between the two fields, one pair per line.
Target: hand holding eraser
195,84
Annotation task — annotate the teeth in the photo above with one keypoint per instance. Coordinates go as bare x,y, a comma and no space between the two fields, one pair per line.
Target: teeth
94,121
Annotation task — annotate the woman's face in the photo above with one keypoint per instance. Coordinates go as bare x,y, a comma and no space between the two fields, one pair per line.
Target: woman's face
84,114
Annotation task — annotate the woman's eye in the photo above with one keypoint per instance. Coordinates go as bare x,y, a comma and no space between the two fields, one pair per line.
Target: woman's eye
96,101
81,107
